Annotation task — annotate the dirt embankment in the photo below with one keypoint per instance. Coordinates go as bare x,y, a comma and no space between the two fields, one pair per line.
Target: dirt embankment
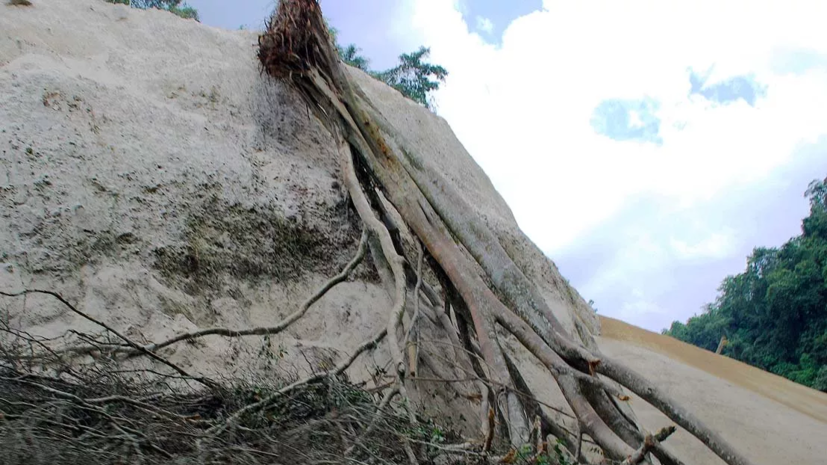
805,400
771,419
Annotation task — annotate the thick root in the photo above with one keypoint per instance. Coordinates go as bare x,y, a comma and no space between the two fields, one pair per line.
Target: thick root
297,48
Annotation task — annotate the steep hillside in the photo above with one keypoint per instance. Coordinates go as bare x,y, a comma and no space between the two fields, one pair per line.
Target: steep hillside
158,181
153,177
770,417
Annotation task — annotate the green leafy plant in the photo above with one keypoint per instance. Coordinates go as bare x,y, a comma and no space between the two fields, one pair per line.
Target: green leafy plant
350,54
414,77
560,455
542,460
437,434
525,453
591,304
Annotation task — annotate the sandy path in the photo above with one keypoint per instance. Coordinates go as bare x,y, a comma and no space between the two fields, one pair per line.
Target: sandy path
770,419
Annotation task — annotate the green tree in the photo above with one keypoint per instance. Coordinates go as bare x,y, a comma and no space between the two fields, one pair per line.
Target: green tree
816,224
413,76
774,314
349,54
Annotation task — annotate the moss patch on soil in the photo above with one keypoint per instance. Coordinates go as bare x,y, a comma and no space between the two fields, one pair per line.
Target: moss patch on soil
253,243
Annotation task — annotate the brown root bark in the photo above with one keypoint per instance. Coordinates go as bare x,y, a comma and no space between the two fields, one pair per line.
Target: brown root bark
298,49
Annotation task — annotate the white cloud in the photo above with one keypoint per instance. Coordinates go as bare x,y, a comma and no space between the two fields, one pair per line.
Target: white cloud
639,304
485,25
714,245
533,96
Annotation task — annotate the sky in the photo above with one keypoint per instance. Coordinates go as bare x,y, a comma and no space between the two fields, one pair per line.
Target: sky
646,146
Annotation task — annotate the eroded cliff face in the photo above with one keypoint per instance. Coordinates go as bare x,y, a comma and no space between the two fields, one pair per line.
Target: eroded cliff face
151,175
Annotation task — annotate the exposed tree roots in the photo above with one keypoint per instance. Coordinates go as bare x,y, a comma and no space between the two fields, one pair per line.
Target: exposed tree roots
297,48
482,300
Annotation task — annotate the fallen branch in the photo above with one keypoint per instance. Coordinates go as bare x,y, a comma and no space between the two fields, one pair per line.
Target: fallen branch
661,401
102,417
344,365
205,381
386,399
649,443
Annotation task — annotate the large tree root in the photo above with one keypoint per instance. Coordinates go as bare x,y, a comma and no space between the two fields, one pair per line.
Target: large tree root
298,49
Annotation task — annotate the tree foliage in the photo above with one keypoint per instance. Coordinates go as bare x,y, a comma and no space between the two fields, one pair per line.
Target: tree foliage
350,54
176,7
413,76
774,314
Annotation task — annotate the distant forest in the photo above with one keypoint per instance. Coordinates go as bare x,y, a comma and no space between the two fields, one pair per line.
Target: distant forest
774,314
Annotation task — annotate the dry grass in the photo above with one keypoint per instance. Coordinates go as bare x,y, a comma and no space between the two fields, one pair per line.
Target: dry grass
108,411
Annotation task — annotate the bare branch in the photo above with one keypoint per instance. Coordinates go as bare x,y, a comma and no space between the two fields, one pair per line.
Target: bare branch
282,325
648,444
344,365
660,400
139,348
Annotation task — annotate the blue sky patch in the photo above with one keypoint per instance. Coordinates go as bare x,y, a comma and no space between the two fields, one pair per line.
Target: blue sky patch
628,120
728,91
489,18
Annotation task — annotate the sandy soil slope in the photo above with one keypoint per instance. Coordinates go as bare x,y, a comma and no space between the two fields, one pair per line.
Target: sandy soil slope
153,177
771,419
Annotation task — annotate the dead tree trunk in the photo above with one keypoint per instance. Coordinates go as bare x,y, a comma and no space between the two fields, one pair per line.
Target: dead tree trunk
721,345
297,48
